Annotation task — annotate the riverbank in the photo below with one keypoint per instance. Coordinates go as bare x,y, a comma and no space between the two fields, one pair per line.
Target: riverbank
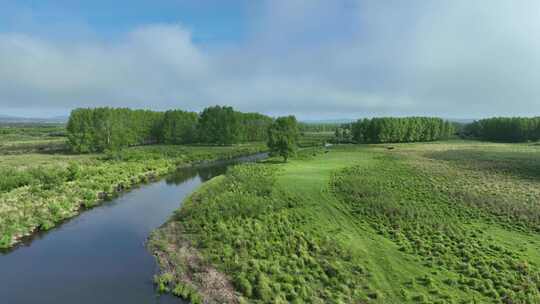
38,191
440,222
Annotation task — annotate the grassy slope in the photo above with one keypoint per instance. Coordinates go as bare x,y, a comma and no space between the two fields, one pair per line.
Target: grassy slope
436,191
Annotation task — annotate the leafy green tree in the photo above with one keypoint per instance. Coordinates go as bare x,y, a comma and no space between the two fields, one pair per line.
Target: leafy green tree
318,127
359,131
283,136
405,129
80,130
100,129
254,126
343,134
506,129
219,125
146,126
178,127
111,129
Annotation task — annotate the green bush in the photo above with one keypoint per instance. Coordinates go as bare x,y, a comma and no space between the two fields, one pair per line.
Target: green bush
262,289
244,286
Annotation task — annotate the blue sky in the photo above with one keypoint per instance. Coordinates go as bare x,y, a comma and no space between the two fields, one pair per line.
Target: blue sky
209,20
313,58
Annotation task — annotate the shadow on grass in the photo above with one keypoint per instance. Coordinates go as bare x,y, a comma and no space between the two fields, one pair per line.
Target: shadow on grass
519,164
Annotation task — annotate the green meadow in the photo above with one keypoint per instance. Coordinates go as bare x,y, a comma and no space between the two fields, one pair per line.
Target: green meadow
439,222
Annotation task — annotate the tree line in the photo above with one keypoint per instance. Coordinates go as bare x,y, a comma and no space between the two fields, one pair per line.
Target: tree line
317,127
400,129
100,129
506,129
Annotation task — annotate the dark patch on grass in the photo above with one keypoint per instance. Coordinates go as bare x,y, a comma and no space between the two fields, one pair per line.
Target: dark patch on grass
519,164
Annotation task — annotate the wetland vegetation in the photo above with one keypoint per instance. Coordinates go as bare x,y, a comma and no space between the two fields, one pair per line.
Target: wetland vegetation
393,212
442,222
101,153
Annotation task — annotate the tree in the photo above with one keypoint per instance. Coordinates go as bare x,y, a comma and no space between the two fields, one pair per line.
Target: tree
359,131
79,128
219,125
100,129
283,136
343,134
507,129
254,126
406,129
318,127
178,127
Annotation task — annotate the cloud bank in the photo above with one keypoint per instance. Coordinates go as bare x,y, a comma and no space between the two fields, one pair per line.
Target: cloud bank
315,59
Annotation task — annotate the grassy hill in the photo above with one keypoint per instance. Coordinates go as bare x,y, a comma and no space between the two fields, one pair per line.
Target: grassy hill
447,222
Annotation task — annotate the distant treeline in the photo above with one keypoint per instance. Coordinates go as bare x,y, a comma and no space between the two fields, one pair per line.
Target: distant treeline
100,129
507,129
318,127
395,130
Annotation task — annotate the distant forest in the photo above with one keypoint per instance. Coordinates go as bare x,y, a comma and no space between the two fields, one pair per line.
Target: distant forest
505,129
318,126
100,129
405,129
418,129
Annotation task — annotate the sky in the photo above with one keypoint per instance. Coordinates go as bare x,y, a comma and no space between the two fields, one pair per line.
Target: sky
317,59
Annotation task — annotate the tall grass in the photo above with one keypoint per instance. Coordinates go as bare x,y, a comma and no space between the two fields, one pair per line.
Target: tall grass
38,197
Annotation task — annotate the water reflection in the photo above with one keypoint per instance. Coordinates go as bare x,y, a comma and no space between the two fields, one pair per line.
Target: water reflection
100,256
210,170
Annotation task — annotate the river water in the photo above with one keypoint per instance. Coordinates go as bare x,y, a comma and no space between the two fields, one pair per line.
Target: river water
100,255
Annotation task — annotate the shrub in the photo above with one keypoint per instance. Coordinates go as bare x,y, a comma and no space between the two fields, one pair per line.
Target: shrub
263,290
244,286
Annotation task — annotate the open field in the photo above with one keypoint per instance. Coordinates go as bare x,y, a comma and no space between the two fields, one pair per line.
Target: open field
20,138
42,188
441,222
309,139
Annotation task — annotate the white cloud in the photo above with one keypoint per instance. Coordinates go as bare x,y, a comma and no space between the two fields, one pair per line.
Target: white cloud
341,58
151,64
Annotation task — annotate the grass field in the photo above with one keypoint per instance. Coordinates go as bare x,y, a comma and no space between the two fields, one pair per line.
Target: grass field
443,222
20,138
309,139
42,187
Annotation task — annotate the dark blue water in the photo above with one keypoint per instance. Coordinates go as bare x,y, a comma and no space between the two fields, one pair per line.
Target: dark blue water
100,256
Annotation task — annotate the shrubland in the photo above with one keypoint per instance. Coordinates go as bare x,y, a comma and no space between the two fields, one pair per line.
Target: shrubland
37,191
253,233
442,222
20,138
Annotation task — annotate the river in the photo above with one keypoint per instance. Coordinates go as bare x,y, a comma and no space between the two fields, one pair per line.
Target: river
100,255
